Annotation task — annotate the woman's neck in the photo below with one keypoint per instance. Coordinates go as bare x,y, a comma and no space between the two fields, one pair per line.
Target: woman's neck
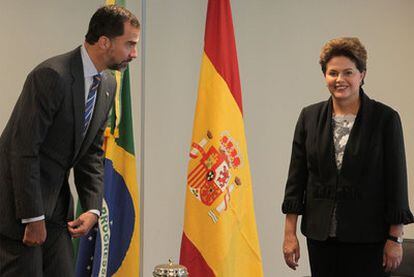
343,108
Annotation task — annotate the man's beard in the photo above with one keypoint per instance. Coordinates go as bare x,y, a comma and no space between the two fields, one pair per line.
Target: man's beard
119,66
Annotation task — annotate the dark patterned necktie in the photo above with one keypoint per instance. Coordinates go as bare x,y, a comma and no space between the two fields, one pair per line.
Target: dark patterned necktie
90,102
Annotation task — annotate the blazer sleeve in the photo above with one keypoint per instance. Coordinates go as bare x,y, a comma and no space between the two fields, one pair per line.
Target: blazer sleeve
298,173
89,172
32,116
395,170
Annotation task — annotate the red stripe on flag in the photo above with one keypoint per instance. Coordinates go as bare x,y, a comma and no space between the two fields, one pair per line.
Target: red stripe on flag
197,183
220,45
193,260
195,172
197,180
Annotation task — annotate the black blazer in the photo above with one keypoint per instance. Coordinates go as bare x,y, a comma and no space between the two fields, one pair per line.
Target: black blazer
42,141
370,190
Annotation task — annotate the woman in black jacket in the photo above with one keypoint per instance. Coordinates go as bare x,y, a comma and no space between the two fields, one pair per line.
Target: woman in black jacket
347,175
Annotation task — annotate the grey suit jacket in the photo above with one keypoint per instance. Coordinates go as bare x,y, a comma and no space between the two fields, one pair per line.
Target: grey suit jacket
42,141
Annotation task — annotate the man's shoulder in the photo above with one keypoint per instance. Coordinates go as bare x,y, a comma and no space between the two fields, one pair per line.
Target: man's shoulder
109,79
60,64
108,76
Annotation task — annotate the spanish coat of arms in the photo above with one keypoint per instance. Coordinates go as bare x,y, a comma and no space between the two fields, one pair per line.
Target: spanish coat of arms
213,174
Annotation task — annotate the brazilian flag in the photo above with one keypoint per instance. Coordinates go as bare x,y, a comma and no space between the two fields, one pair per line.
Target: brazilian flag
113,247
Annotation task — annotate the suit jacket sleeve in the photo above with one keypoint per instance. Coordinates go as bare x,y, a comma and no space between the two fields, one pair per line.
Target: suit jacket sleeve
397,208
32,116
298,172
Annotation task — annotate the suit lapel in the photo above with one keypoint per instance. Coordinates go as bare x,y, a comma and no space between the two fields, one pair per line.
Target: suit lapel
359,138
78,93
326,151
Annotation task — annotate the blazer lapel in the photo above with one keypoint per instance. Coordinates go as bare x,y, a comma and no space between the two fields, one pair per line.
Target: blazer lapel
359,138
78,94
325,145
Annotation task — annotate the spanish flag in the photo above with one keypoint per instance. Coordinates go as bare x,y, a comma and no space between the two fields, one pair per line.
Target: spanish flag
220,237
113,247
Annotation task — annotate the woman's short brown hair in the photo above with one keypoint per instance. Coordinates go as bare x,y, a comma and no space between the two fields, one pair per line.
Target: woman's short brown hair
349,47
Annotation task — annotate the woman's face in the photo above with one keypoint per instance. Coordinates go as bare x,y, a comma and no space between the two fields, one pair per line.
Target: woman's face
343,79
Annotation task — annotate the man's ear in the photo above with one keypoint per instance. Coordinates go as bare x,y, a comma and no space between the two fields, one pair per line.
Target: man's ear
104,42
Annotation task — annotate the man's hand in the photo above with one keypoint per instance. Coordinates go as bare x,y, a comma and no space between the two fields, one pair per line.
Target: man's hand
35,233
81,226
392,255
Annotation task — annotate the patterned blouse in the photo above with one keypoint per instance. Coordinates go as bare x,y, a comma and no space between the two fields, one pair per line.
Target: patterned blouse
341,126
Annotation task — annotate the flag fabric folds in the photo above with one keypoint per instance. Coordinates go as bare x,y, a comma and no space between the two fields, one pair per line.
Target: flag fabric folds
220,236
113,247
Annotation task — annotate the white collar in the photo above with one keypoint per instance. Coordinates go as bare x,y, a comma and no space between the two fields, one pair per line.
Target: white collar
89,69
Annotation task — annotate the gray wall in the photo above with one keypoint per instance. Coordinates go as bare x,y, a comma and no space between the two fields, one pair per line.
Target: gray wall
278,46
32,31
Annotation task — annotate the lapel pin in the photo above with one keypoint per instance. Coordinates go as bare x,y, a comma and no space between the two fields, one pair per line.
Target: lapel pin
106,93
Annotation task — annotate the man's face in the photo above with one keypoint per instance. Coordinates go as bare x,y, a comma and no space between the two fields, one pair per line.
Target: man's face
123,48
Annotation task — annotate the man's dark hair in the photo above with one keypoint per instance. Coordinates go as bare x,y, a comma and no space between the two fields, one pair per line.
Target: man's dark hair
109,21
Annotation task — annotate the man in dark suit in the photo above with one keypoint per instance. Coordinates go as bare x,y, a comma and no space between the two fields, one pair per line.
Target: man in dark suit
57,124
